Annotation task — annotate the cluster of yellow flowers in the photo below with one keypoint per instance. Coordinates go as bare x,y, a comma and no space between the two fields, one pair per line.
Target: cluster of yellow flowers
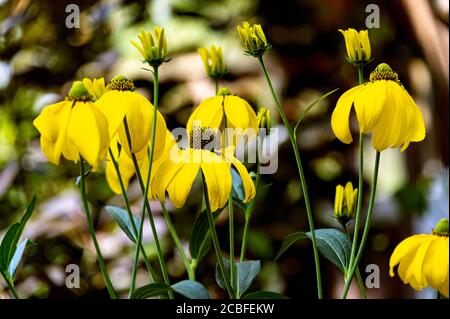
116,124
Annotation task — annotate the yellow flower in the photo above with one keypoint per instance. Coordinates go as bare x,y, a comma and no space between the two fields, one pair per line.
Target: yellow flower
344,203
225,111
253,39
123,106
383,107
153,51
213,61
73,127
263,119
424,260
126,166
358,46
95,87
178,171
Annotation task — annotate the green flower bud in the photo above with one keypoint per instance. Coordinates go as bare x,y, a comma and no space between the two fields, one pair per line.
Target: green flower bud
253,39
153,50
441,228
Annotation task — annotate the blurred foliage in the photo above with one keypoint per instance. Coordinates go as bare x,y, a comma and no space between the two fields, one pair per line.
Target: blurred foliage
40,57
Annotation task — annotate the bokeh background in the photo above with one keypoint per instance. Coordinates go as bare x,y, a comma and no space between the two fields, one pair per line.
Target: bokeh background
40,57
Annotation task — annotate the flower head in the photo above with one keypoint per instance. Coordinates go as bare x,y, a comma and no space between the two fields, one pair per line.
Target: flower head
74,127
130,116
95,87
383,107
225,111
177,172
213,61
153,50
358,46
344,203
424,260
253,39
263,119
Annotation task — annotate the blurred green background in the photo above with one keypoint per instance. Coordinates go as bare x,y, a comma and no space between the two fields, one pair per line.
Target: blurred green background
40,57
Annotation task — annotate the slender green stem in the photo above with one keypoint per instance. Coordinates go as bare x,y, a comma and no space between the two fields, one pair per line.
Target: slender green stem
90,223
178,244
10,284
360,69
152,273
293,140
358,273
360,199
366,227
216,244
249,211
147,208
216,84
231,231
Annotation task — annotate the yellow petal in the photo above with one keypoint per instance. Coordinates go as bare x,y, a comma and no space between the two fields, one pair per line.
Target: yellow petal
52,125
415,270
369,104
340,117
88,131
180,186
239,115
114,105
407,245
126,169
209,113
436,264
218,179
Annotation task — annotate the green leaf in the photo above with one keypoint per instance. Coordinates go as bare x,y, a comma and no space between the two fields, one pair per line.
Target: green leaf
17,257
191,289
237,187
150,290
314,103
8,245
334,245
289,241
200,240
246,272
262,294
122,218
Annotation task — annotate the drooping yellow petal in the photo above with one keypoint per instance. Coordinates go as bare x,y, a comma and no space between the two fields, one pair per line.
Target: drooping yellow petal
114,104
52,125
341,114
218,179
369,104
209,113
88,131
126,169
436,265
407,245
240,116
416,264
181,184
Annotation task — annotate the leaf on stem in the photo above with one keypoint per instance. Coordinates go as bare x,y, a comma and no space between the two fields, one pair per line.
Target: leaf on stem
150,290
246,272
122,218
191,289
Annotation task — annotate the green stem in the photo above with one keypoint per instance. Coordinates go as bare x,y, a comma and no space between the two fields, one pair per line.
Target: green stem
152,273
178,244
147,208
360,199
216,84
231,230
10,284
216,244
293,140
360,74
249,211
362,289
101,262
366,227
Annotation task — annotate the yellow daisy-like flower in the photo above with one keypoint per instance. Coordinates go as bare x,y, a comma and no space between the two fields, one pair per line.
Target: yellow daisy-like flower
358,45
225,111
123,107
74,127
178,171
424,260
383,107
345,202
